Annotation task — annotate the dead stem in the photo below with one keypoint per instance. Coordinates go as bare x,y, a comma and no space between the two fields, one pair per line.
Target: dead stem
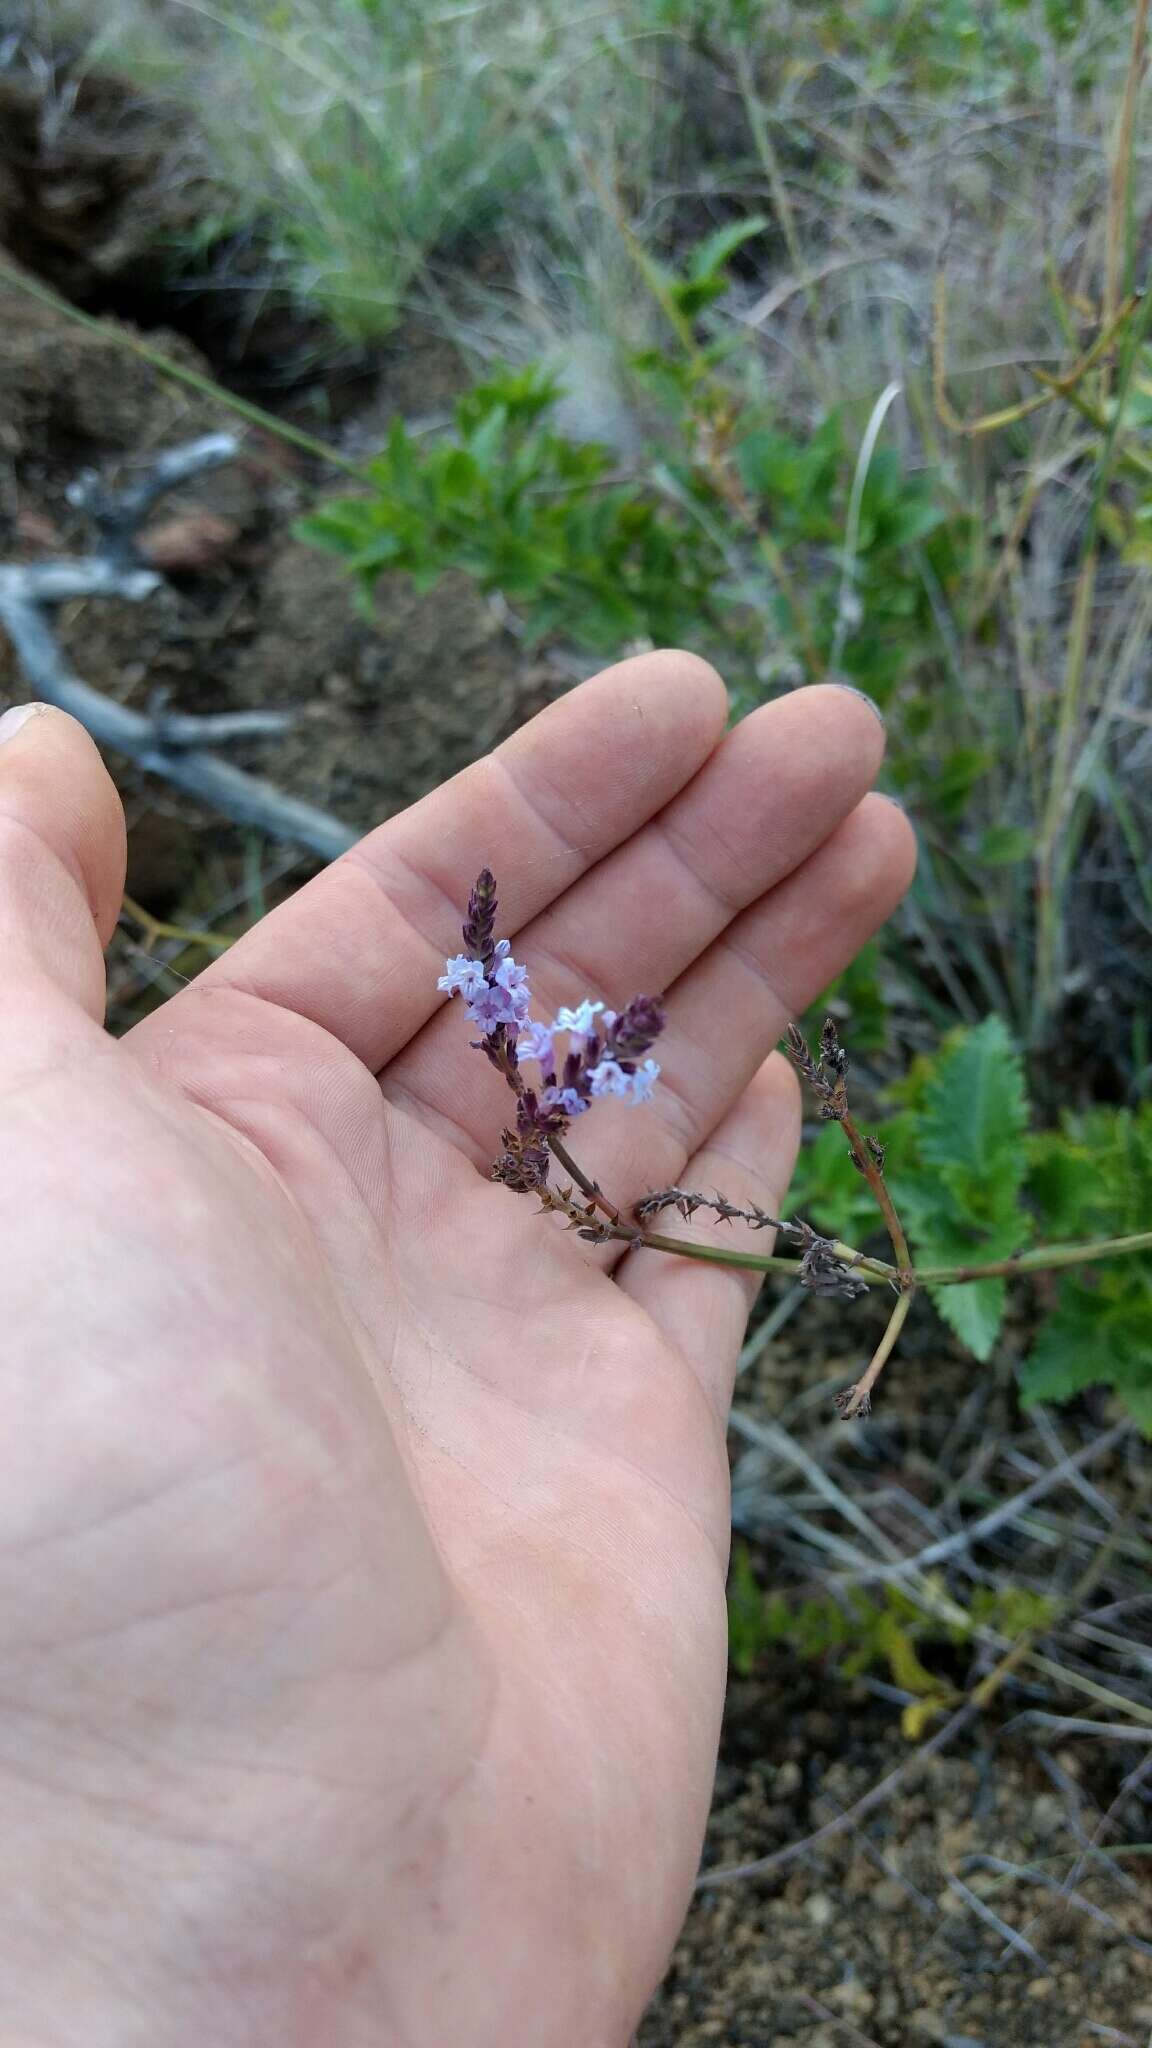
857,1400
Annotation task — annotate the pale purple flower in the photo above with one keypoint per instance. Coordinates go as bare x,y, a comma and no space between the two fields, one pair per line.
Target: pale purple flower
609,1078
567,1100
465,977
535,1043
644,1080
513,979
579,1020
490,1006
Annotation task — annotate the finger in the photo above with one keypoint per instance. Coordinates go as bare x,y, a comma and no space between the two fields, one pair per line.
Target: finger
727,1013
360,948
703,1309
777,787
61,873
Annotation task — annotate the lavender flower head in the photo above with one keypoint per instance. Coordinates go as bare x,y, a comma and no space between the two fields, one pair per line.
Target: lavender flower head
604,1054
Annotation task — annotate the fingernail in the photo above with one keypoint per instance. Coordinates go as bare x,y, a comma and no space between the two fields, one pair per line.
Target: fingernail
12,720
862,694
894,801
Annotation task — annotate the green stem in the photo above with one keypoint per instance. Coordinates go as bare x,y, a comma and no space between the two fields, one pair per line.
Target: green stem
874,1175
1045,1258
858,1399
716,1255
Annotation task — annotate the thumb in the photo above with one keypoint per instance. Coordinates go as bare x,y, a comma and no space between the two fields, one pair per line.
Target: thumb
62,851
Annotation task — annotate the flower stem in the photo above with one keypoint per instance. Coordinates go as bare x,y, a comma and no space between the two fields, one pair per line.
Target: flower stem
717,1255
591,1188
873,1173
858,1399
1045,1258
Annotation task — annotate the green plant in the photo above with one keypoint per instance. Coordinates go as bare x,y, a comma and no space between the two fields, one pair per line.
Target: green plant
1095,1170
975,1185
727,533
532,515
860,1632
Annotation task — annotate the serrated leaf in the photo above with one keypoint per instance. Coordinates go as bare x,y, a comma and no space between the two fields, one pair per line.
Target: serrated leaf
974,1310
1101,1335
1073,1351
975,1111
1062,1179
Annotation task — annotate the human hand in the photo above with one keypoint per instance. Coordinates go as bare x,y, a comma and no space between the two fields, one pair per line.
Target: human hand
363,1533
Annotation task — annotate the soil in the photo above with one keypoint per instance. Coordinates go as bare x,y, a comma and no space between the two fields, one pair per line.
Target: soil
389,703
865,1942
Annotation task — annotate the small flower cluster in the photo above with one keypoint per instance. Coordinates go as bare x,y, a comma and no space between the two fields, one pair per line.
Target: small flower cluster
605,1053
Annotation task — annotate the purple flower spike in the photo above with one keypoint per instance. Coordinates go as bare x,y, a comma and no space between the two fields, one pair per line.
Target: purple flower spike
480,920
604,1055
636,1028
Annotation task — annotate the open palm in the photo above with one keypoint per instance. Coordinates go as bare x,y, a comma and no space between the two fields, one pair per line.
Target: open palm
363,1537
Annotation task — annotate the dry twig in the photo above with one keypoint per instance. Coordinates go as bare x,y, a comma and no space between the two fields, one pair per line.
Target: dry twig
173,745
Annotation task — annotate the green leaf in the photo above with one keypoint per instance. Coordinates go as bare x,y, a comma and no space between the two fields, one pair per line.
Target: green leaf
1138,1401
749,1622
1072,1352
1003,845
957,776
487,440
829,1191
1062,1185
975,1110
945,1234
975,1311
690,295
1101,1335
714,253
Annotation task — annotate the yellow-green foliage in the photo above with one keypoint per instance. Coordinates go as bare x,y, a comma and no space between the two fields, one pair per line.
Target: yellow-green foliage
860,1632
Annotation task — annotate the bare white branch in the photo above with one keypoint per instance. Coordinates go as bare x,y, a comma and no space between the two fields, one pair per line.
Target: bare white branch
167,743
